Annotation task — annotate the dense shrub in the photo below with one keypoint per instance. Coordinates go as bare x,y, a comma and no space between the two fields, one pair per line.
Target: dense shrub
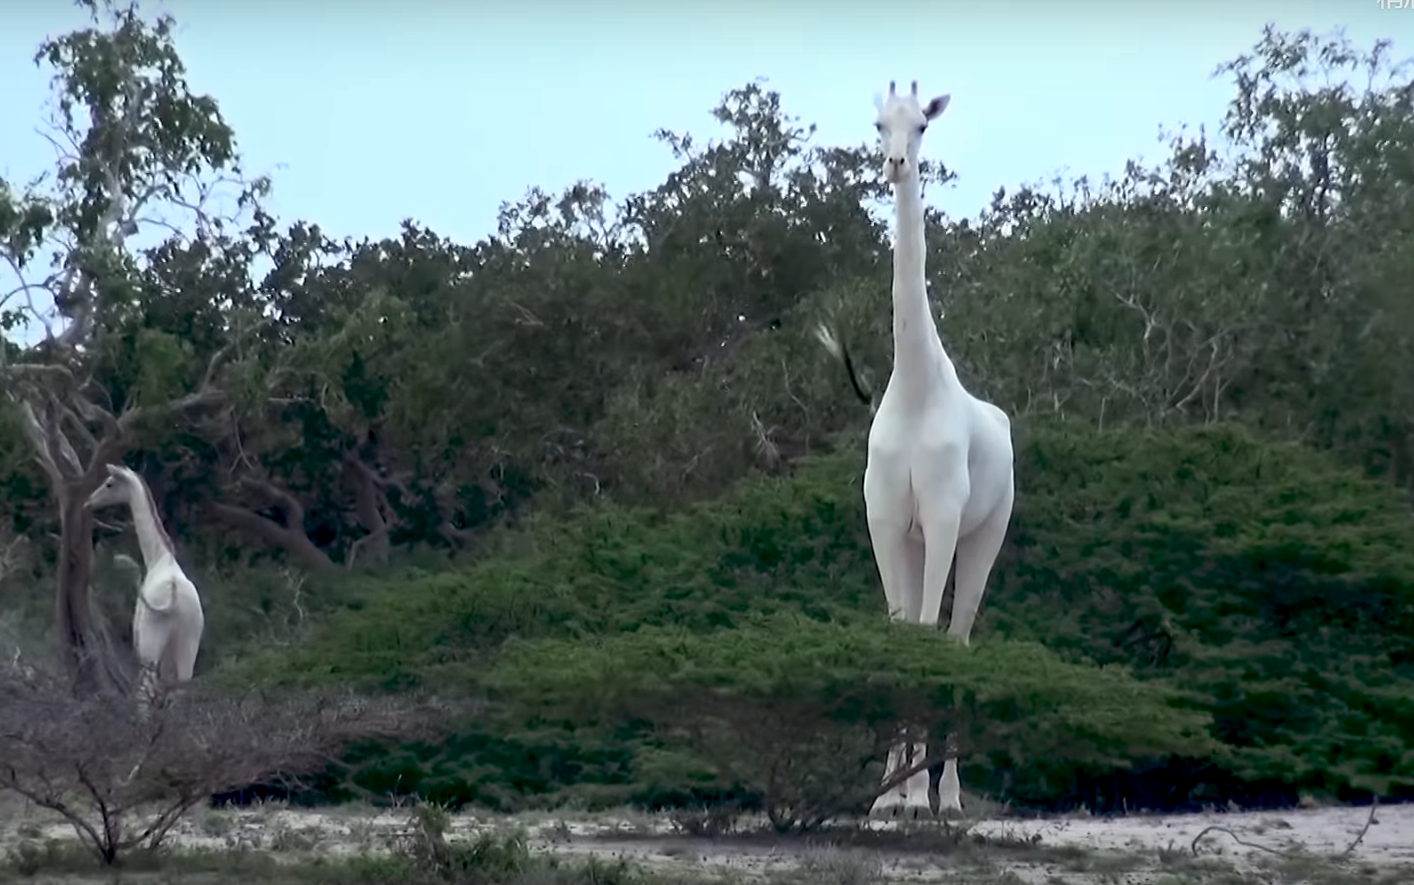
780,545
1282,582
800,711
1285,580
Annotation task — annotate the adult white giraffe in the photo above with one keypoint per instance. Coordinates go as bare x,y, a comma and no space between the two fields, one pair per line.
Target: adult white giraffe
939,476
167,619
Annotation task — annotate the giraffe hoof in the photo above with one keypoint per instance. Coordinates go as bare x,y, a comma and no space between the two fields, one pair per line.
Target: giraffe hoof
888,808
915,813
900,810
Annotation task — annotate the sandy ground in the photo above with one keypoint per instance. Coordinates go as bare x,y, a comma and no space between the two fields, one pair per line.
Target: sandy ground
1074,849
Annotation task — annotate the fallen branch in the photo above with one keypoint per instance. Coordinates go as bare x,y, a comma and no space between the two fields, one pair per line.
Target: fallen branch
1218,828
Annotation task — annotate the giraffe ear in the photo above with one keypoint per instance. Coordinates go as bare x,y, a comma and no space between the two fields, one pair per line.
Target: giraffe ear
935,108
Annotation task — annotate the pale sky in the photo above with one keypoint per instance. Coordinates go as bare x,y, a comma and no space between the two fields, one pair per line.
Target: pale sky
367,113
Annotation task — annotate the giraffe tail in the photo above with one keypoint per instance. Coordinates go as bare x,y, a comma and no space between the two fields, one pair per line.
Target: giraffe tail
837,349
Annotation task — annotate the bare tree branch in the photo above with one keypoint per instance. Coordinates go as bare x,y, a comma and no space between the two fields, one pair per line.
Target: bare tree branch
287,535
130,787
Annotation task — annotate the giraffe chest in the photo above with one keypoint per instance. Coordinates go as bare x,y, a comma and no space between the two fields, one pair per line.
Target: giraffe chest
915,469
916,451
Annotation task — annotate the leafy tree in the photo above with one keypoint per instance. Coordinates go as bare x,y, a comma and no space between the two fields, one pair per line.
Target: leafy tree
133,144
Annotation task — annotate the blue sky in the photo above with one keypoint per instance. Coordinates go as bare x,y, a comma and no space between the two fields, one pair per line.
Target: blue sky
366,113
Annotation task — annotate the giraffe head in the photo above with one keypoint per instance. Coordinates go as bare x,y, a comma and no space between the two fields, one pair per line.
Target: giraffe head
117,489
901,123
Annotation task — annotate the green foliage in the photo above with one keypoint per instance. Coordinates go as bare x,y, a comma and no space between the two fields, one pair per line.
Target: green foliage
657,348
490,858
769,548
800,711
1283,580
155,365
21,488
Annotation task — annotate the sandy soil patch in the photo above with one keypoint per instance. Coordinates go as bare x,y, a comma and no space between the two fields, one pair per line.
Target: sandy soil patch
1389,839
1081,849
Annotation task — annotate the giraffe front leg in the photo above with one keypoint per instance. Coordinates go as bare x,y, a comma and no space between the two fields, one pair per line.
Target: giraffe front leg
976,554
950,789
918,806
907,800
899,559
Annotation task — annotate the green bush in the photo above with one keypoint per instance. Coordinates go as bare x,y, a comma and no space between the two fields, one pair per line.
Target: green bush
800,711
1284,582
784,545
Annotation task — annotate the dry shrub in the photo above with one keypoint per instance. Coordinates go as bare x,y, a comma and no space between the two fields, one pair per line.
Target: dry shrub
122,780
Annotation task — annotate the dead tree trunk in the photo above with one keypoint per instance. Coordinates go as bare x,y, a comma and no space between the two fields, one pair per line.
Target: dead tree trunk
70,483
370,502
73,612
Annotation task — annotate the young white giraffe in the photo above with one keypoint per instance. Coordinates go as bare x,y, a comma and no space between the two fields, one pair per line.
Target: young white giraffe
167,619
938,480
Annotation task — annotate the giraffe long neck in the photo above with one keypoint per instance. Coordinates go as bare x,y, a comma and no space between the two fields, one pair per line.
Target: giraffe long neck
151,536
918,353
